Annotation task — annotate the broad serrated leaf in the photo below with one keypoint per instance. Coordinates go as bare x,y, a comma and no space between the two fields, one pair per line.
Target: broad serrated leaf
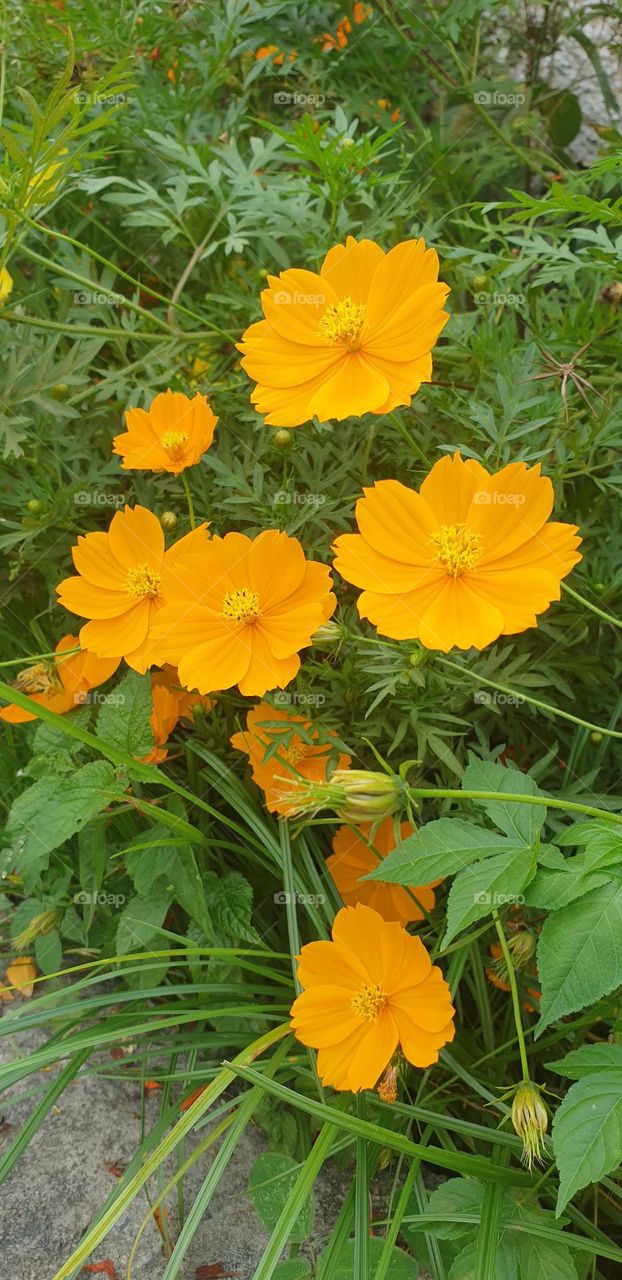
441,849
124,717
269,1183
174,869
587,1132
580,953
140,921
587,1060
230,901
486,887
538,1258
520,822
55,808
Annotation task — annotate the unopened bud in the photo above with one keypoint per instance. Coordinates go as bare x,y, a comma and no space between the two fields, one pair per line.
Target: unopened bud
168,520
355,795
531,1121
328,636
41,924
283,440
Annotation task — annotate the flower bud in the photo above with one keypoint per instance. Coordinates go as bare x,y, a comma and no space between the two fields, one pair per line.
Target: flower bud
283,440
168,520
36,928
367,796
328,636
531,1121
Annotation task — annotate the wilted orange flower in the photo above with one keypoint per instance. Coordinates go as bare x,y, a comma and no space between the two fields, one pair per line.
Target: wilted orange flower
239,610
356,853
469,558
497,974
354,339
169,704
171,435
369,990
298,757
21,973
119,585
62,683
268,49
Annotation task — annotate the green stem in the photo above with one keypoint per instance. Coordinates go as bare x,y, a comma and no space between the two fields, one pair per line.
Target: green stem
412,444
600,613
548,802
37,657
184,481
526,697
89,284
515,996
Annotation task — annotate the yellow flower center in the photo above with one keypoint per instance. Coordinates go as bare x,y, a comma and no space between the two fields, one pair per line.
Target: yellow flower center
457,548
241,605
36,679
342,322
369,1001
143,581
294,752
173,442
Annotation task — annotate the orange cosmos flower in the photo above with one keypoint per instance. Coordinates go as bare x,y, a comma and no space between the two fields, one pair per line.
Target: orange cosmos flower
61,684
469,558
370,990
268,49
119,584
354,339
239,610
173,434
294,755
169,704
356,853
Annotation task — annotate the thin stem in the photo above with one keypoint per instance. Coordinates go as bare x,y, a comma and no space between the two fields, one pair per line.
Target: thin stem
412,444
549,802
37,657
184,481
515,996
600,613
526,697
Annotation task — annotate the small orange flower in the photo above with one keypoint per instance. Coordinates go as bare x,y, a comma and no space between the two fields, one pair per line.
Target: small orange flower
369,990
169,704
267,50
356,853
469,558
355,339
173,434
239,610
119,584
21,973
265,726
61,684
